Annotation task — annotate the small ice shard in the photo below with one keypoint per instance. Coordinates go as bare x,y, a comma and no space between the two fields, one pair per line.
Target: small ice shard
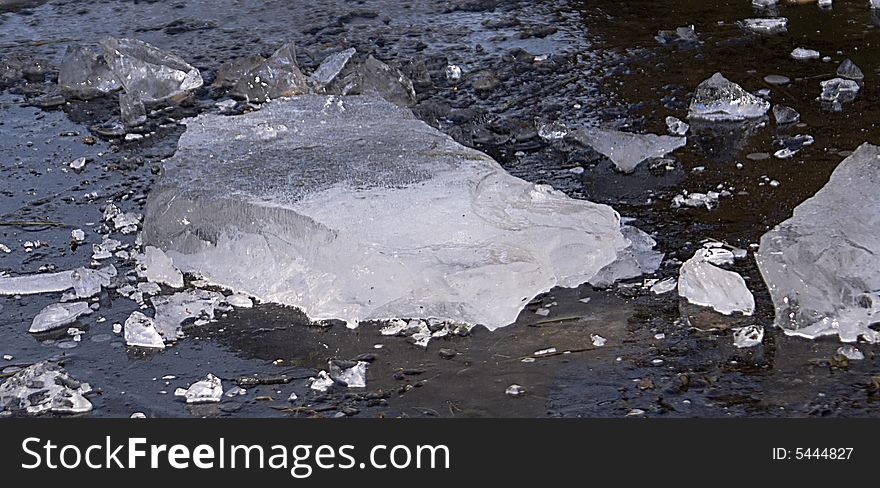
140,331
58,315
158,268
235,391
148,73
105,249
627,150
681,35
821,264
174,310
292,397
749,336
78,235
88,282
332,66
85,282
378,79
768,25
44,387
664,286
543,312
132,109
85,75
514,390
78,164
208,390
785,115
598,340
850,352
239,300
676,126
352,373
552,131
707,285
718,99
638,258
118,220
839,90
453,72
322,382
696,199
279,76
311,219
849,70
764,3
801,54
138,415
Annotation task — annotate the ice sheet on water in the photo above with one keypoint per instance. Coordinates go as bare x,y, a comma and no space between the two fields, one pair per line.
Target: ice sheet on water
720,99
361,212
85,282
626,150
278,76
332,66
703,283
140,331
83,74
147,72
58,315
821,265
44,387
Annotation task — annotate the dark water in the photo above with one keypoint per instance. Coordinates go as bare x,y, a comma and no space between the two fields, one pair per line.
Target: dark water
604,68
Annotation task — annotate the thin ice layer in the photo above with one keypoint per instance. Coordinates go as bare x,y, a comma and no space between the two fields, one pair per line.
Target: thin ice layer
352,209
822,265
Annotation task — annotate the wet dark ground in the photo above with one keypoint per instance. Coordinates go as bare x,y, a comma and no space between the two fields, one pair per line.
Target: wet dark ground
603,68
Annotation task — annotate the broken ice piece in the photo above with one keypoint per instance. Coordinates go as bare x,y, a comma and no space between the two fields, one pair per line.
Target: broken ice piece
239,300
769,25
351,373
235,391
147,72
231,71
155,266
848,69
378,79
598,340
664,286
702,283
838,90
696,199
58,315
172,311
105,249
626,150
292,397
322,382
332,66
208,390
140,331
77,235
514,390
676,127
453,72
545,352
785,115
718,256
44,387
682,35
850,352
85,75
78,164
800,53
279,76
719,99
132,109
552,131
749,336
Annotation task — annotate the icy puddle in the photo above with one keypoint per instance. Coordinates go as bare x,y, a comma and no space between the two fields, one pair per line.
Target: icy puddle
352,209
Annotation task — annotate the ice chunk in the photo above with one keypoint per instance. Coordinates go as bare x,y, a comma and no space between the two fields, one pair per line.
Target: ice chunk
118,220
155,266
681,35
552,131
598,340
821,265
332,66
351,373
378,79
664,286
208,390
838,90
764,3
850,352
278,76
749,336
769,25
322,382
696,199
78,235
85,75
785,115
44,387
801,53
367,213
848,69
238,300
58,315
132,109
148,73
638,258
627,150
702,283
720,99
140,331
85,282
514,390
174,310
453,72
232,71
676,127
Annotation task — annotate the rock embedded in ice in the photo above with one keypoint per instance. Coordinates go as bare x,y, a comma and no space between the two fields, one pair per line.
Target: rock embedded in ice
208,390
627,150
58,315
676,126
785,115
376,78
85,75
44,387
362,212
352,373
718,99
749,336
702,283
147,72
801,53
140,331
155,266
768,25
278,76
849,70
332,66
132,109
821,265
850,352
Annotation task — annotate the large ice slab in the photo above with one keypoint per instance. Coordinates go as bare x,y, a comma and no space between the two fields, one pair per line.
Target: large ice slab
352,209
822,265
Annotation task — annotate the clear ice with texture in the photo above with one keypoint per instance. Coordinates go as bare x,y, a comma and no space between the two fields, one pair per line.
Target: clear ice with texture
332,66
147,72
719,99
278,76
821,265
702,283
850,70
83,74
626,150
358,211
351,373
58,315
84,281
765,25
156,267
44,387
140,331
208,390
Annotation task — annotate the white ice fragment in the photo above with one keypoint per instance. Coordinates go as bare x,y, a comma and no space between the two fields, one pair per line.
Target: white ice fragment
705,284
155,266
322,382
5,249
58,315
174,310
598,340
208,390
839,90
626,150
803,54
514,390
718,256
543,312
239,300
85,282
332,66
140,331
453,72
676,126
766,25
719,99
77,235
44,387
545,352
138,415
292,397
351,373
665,286
696,199
749,336
850,352
552,131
